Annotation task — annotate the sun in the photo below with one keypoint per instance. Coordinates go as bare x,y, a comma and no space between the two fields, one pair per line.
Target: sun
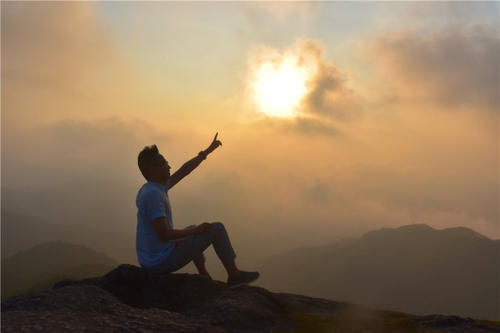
279,86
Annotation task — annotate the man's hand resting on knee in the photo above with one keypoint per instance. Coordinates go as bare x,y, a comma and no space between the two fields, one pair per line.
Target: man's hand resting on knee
196,229
204,227
165,233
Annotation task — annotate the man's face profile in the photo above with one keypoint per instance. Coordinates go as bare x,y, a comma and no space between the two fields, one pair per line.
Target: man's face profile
163,168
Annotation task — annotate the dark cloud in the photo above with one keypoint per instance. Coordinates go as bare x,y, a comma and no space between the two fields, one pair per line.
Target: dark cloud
329,93
300,125
318,192
444,12
456,66
316,127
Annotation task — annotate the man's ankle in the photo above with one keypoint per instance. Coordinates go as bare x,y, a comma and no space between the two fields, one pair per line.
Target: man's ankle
234,275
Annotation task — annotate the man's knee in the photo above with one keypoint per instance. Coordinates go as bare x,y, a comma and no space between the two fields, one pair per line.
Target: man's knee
218,226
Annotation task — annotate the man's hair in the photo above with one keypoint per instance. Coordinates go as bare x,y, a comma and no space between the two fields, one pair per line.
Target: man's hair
147,158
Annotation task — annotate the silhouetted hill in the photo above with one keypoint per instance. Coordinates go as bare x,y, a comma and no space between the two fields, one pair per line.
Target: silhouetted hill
413,268
41,266
21,232
129,299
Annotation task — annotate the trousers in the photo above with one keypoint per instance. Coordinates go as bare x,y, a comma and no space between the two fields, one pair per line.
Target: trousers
191,249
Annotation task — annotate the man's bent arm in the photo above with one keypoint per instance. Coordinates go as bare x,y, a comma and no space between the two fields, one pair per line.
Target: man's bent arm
166,234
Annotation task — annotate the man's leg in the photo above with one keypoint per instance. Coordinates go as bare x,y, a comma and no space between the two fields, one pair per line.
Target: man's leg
192,247
224,249
217,235
219,238
199,261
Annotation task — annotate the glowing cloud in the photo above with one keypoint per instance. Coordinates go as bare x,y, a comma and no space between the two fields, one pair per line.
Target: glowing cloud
279,82
299,83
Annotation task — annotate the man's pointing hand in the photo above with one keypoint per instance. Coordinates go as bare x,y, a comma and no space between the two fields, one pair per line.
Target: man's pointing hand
215,143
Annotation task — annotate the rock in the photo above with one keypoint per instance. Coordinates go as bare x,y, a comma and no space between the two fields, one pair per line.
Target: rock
130,298
90,308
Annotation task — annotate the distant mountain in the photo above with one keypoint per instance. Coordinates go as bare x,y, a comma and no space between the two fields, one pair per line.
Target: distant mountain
130,299
21,232
414,268
40,267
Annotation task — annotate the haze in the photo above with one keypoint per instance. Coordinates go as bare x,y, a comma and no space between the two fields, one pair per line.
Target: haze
399,124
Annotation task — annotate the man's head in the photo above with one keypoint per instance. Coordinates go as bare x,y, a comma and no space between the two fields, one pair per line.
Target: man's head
153,165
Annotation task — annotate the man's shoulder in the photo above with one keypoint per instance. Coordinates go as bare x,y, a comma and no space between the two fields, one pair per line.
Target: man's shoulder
149,190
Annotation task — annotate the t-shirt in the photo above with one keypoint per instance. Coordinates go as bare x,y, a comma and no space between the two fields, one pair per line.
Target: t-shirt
152,202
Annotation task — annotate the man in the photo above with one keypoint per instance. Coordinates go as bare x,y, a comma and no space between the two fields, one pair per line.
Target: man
160,247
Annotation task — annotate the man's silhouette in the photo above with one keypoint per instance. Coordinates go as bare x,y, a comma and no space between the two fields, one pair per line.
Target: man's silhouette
162,248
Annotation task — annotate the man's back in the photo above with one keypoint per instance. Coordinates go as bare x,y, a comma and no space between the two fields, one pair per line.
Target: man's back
152,202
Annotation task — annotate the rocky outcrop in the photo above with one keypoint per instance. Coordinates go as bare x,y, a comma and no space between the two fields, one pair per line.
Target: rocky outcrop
131,299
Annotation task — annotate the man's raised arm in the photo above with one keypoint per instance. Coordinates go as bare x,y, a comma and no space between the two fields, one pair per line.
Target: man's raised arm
190,165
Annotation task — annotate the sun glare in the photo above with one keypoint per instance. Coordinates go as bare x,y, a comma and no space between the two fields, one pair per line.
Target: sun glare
280,87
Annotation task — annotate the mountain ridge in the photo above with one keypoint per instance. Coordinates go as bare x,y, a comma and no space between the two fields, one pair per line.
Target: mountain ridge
413,268
38,267
421,226
425,228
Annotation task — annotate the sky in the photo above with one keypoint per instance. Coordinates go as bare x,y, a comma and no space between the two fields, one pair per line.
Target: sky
396,122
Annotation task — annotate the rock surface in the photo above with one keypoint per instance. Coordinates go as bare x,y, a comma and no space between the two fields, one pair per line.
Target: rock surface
131,299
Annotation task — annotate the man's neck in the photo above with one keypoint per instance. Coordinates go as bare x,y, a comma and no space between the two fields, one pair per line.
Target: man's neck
162,182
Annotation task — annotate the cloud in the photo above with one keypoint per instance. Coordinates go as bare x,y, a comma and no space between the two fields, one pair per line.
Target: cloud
71,149
52,44
329,92
328,98
264,20
389,164
299,125
280,10
60,60
456,67
76,171
444,13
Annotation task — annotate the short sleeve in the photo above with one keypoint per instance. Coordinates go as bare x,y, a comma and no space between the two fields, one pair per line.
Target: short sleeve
154,206
167,185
